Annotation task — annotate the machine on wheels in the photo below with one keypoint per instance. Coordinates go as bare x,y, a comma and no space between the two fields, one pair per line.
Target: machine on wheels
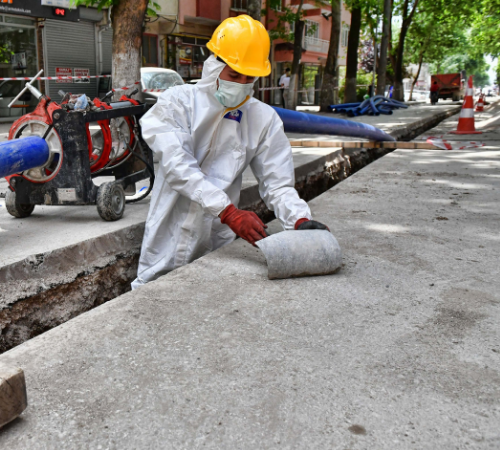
82,145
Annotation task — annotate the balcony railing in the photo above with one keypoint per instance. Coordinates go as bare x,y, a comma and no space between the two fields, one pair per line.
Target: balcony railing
316,45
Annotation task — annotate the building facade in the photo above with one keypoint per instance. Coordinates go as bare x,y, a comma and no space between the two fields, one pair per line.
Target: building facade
65,40
316,41
177,40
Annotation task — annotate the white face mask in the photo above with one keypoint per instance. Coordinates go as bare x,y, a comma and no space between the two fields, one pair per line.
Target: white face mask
231,94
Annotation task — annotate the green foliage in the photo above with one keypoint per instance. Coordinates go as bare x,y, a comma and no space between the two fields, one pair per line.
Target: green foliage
152,10
434,38
486,30
5,54
475,65
442,32
100,4
362,79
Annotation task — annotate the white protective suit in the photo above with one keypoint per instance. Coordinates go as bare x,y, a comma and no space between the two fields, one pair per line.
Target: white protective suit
203,149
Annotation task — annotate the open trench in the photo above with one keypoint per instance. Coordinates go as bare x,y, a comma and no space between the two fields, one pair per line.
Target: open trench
55,303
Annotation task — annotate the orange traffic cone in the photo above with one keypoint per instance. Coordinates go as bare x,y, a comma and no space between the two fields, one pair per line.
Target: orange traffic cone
480,104
466,119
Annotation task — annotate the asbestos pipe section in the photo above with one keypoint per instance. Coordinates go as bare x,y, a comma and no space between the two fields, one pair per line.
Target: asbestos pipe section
299,122
23,154
301,253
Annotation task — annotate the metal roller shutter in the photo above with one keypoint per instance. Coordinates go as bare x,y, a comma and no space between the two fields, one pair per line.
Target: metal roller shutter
107,50
70,45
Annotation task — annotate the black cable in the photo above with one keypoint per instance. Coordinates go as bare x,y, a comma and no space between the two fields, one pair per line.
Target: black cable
49,129
150,170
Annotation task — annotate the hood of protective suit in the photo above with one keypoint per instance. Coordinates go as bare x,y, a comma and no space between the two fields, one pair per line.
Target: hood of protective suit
211,71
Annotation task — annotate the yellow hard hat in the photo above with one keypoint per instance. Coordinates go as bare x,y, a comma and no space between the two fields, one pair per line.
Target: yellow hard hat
243,44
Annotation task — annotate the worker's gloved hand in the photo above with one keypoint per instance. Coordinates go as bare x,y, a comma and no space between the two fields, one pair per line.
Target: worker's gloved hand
245,224
307,224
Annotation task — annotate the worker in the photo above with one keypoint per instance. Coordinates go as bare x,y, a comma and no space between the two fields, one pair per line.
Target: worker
284,84
434,93
205,136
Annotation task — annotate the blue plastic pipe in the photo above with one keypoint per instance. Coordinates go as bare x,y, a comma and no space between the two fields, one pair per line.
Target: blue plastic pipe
22,154
299,122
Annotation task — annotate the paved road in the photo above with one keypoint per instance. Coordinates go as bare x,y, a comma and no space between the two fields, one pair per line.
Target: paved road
399,350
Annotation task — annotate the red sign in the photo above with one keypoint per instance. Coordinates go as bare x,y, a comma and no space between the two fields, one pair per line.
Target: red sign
59,12
64,72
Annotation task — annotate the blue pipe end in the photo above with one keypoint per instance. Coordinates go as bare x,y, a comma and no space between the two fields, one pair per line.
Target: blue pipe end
22,154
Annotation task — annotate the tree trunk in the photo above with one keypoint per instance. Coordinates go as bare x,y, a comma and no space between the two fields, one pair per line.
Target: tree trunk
329,94
254,8
420,60
382,67
398,93
352,56
127,18
297,55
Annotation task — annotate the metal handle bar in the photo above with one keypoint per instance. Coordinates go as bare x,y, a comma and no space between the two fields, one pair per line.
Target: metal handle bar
32,89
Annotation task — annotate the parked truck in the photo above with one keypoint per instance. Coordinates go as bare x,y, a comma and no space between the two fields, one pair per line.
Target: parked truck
451,85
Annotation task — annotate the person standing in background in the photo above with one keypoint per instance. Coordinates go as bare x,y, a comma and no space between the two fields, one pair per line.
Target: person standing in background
284,84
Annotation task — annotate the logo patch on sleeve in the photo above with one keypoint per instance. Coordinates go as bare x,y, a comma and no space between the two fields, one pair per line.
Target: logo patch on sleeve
234,115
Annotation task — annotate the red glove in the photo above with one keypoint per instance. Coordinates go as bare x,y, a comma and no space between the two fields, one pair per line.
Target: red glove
307,224
245,224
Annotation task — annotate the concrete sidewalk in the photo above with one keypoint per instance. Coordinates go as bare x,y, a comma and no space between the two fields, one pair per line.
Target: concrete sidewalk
400,349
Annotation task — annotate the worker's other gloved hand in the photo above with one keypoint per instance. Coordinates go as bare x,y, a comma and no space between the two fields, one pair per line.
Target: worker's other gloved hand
245,224
307,224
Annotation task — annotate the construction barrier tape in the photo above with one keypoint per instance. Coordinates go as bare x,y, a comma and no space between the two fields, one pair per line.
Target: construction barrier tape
126,88
55,78
450,145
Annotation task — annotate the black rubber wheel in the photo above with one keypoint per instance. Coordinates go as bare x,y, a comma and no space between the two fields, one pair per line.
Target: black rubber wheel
110,201
15,209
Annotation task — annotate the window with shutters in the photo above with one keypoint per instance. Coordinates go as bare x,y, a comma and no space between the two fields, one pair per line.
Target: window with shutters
239,5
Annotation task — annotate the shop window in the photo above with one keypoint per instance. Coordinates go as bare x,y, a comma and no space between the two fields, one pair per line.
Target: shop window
18,57
149,50
186,55
240,5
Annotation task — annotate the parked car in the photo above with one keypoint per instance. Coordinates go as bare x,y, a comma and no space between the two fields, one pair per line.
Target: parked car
151,78
158,78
